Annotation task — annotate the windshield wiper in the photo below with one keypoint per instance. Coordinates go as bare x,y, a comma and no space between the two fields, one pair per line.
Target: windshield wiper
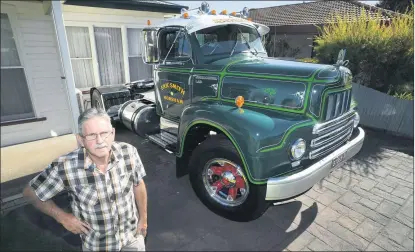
247,43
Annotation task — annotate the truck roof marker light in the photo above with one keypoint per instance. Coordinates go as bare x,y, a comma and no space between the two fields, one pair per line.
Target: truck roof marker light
186,15
213,12
148,22
233,13
224,12
250,19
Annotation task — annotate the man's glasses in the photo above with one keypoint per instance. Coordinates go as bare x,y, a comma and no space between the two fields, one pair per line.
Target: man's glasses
94,136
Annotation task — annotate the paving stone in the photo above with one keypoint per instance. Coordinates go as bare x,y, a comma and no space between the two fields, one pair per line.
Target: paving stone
333,187
328,197
369,213
368,229
403,177
408,244
349,198
326,216
396,231
408,209
348,235
381,171
301,242
388,196
373,247
366,194
305,200
403,192
398,181
313,194
405,220
387,244
370,204
347,212
318,245
347,222
388,208
400,171
392,162
345,183
411,235
384,187
367,184
328,237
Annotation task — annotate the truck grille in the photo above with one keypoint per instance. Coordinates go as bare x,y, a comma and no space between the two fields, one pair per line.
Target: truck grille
331,134
337,104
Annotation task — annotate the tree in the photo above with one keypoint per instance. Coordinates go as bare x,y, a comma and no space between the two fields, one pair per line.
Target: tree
395,5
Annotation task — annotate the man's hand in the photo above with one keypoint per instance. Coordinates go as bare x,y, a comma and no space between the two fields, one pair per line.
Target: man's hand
142,227
72,224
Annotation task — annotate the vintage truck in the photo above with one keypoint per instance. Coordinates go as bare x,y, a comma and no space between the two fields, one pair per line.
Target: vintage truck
249,130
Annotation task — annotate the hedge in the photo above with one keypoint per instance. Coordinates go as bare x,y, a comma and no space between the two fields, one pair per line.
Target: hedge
380,54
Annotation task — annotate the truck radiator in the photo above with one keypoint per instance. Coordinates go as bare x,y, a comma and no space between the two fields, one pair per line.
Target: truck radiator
329,135
337,104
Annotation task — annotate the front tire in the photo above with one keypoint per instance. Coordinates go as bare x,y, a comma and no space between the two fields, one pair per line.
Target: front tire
219,180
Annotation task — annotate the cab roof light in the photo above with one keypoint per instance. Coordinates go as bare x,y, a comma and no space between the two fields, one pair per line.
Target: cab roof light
213,12
224,12
148,22
186,15
233,13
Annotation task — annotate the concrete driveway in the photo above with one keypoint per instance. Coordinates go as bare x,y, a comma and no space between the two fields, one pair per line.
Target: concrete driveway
365,205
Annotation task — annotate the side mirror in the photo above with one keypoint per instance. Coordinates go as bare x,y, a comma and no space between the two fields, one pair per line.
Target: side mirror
151,49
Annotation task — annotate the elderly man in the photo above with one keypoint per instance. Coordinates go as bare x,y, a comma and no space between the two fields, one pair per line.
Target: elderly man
105,180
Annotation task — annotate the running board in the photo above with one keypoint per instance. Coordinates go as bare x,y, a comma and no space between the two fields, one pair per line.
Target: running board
165,140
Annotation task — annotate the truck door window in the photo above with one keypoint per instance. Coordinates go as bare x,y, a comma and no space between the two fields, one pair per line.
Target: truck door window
175,47
284,94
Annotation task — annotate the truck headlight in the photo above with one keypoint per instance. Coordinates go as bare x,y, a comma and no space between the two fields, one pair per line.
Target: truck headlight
356,120
298,149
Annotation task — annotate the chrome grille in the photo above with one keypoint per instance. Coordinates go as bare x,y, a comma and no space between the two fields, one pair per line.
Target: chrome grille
337,104
331,134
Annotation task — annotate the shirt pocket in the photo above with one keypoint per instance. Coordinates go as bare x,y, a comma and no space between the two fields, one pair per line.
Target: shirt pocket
87,195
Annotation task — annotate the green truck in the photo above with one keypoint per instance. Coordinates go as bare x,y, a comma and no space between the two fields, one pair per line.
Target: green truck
249,130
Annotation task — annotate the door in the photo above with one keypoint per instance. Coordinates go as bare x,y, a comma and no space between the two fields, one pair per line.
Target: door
174,72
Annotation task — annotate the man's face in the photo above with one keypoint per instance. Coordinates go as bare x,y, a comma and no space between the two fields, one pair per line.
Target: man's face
100,129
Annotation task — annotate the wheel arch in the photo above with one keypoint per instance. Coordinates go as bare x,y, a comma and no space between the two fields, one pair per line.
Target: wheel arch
187,143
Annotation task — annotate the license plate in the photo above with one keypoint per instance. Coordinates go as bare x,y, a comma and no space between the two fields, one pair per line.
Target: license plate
337,160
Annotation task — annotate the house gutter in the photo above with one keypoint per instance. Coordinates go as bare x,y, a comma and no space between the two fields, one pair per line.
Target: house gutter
66,62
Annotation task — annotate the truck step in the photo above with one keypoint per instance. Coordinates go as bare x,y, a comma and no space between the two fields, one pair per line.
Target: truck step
164,140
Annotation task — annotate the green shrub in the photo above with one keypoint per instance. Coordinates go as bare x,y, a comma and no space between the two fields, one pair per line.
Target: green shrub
381,56
309,60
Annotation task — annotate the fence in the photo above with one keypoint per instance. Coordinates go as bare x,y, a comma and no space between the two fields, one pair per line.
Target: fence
382,111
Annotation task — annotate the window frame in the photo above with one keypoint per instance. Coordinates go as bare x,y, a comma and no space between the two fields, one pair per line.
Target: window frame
10,11
178,29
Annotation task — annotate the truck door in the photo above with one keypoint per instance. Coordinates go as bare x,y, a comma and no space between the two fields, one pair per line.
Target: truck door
174,72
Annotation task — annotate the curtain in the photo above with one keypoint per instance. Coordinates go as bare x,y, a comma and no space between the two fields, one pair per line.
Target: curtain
138,69
15,98
81,56
110,55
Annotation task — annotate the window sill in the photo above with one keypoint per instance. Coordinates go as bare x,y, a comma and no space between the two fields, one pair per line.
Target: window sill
22,121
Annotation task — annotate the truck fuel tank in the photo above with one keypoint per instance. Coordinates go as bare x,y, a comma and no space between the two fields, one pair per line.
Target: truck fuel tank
140,117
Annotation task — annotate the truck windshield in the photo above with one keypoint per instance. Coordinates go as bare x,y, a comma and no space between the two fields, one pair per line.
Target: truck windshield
227,40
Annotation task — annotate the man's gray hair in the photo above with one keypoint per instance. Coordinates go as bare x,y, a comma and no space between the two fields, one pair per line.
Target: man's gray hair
90,113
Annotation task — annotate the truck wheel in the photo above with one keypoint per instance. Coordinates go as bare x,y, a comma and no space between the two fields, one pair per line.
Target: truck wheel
219,180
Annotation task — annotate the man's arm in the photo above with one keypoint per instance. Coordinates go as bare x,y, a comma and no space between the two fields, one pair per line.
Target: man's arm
140,195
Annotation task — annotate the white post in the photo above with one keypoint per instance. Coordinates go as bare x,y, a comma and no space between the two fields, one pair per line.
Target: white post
66,62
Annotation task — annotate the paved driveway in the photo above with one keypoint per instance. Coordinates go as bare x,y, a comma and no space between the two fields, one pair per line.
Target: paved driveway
365,205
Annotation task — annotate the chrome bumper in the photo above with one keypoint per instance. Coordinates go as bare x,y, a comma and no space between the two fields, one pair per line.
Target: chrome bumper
290,186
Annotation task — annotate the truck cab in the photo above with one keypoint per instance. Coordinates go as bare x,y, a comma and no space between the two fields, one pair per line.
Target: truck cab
248,129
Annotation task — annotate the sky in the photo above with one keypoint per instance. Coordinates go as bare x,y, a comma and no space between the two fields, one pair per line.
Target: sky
239,5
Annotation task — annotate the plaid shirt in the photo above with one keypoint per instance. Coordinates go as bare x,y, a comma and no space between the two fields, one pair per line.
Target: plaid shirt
105,201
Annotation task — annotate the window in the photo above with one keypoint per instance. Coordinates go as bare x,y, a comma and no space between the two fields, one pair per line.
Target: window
15,97
138,69
175,46
81,56
110,55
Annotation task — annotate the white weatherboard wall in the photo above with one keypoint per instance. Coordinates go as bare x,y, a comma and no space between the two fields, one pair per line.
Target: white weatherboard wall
39,52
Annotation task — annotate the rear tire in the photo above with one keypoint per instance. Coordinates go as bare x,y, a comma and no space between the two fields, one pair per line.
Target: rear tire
96,101
249,203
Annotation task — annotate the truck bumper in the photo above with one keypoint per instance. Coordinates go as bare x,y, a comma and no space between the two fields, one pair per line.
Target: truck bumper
290,186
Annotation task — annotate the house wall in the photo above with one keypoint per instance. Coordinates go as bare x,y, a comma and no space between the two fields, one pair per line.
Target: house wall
39,54
91,17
